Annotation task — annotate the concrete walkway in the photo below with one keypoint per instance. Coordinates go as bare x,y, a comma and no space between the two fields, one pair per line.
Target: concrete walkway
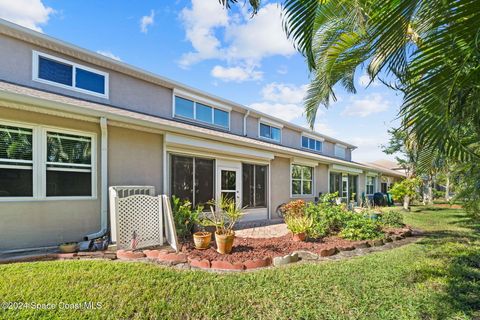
271,231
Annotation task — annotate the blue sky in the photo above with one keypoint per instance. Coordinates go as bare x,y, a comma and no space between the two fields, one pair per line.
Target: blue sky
226,53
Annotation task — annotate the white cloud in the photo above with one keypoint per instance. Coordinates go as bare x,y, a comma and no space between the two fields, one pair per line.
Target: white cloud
364,81
109,54
200,22
147,21
260,37
237,74
370,104
27,13
287,112
284,101
284,93
244,41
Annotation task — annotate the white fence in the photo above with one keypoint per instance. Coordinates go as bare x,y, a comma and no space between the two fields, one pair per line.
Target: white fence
136,209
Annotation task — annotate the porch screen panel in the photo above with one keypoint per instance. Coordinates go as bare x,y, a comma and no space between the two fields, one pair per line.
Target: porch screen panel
69,165
352,183
260,186
336,183
254,181
16,162
248,185
204,181
182,178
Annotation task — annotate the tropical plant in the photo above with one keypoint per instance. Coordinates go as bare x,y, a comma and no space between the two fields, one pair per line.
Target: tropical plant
298,224
405,188
429,50
184,217
294,208
224,214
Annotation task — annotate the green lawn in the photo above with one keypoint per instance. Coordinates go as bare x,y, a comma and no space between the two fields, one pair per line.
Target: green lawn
435,278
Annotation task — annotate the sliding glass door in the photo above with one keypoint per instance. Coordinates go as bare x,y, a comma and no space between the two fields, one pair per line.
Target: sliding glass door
254,181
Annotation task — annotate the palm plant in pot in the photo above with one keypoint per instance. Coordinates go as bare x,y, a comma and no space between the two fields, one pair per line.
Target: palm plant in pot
223,216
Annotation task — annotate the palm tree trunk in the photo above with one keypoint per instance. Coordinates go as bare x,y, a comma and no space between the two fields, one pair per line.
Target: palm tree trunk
406,203
447,187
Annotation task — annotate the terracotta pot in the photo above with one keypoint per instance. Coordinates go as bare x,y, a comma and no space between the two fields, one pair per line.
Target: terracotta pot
299,236
202,240
224,242
68,247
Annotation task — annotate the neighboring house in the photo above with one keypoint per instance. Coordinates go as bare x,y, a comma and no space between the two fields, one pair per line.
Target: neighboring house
391,172
73,123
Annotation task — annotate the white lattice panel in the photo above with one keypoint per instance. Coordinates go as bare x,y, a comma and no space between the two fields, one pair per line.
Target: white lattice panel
141,214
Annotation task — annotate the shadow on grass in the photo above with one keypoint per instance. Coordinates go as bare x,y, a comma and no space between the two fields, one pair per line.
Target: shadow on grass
460,253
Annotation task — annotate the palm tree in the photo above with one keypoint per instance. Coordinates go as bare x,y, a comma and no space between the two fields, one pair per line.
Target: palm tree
430,48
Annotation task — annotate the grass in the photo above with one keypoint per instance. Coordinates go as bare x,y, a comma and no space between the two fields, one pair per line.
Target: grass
437,277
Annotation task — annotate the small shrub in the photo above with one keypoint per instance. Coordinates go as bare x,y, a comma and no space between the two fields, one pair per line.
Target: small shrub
298,224
392,218
184,216
294,208
327,217
361,228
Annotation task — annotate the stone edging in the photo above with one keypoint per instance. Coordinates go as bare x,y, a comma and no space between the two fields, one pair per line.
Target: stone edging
181,261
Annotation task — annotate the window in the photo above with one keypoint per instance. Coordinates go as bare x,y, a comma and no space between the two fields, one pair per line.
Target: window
340,151
302,180
312,144
16,162
384,187
371,182
270,132
192,179
69,165
185,108
254,185
66,74
38,163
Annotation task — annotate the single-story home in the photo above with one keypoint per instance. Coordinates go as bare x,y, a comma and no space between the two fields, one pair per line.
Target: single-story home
74,122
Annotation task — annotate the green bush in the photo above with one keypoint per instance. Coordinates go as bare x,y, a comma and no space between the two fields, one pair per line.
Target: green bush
185,218
327,217
392,218
360,227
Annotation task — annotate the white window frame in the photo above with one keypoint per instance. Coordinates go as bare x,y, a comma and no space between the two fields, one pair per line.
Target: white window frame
39,151
271,125
301,195
35,71
374,184
313,138
194,119
342,147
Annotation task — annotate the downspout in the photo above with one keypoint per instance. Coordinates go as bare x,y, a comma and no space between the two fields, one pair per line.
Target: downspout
103,181
245,123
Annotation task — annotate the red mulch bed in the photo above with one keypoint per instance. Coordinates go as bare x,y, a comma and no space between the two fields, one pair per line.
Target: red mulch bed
249,248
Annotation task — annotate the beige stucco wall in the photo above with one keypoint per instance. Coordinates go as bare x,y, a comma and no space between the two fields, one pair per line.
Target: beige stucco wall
126,92
25,224
321,179
280,182
135,158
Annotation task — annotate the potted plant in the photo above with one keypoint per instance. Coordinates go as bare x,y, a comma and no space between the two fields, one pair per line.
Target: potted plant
224,214
68,247
298,226
201,238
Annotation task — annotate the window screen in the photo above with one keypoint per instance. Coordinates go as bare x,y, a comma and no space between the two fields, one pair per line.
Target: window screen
55,71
